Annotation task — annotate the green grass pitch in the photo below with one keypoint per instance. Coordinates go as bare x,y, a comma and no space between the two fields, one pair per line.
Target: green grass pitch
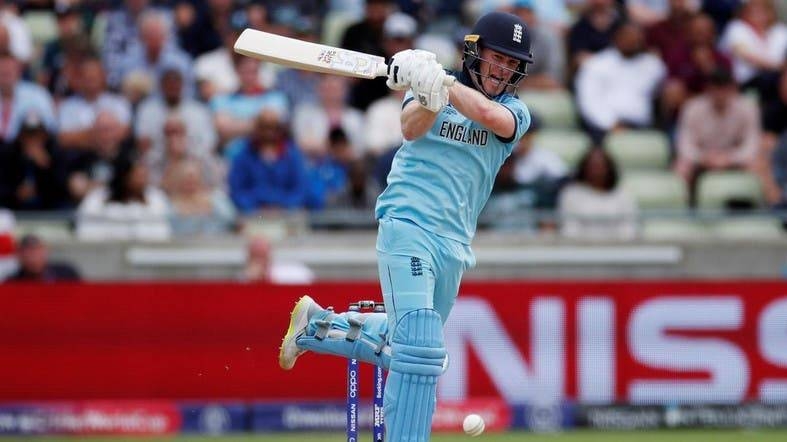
571,436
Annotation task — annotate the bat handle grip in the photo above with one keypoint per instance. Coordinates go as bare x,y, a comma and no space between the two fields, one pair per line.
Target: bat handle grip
382,71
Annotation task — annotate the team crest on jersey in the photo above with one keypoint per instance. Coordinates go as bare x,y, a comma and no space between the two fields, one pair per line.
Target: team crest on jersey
517,33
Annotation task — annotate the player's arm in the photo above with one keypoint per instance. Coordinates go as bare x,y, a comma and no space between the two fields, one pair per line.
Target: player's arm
416,120
404,69
490,114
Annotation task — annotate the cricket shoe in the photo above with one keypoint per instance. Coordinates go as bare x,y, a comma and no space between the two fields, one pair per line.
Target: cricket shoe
299,320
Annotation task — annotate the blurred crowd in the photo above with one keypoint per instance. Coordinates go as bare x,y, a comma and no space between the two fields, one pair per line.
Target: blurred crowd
139,117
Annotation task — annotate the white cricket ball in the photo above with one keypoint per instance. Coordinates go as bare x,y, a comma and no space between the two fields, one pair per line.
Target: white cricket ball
473,424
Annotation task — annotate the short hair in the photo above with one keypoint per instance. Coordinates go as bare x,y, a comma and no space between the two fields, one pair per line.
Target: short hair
30,240
610,180
153,15
721,77
6,54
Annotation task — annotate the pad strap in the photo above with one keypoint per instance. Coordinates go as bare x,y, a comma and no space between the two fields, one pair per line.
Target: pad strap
323,327
356,325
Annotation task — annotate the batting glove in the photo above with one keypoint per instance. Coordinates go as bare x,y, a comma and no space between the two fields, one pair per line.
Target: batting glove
404,65
429,87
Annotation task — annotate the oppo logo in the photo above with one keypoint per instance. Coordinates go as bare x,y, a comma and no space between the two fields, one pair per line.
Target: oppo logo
353,387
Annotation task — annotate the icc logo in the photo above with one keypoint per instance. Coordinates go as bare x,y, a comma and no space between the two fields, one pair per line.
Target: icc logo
517,33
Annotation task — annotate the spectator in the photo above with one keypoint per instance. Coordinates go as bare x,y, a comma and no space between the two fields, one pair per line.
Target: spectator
398,33
555,14
269,170
593,31
75,50
200,25
367,36
538,169
647,12
382,167
340,147
774,145
32,170
262,266
548,68
5,39
35,266
177,150
216,71
158,52
92,166
256,15
508,196
776,185
616,87
719,129
196,209
128,209
234,114
136,87
58,52
444,48
21,41
757,43
675,40
312,122
77,114
721,11
382,132
671,34
120,37
592,206
689,66
774,113
299,85
530,178
155,110
326,176
361,190
19,98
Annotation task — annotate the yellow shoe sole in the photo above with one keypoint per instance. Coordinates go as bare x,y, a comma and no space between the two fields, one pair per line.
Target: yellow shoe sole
286,362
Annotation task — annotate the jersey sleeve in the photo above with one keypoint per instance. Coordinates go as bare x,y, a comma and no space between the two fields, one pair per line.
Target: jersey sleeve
521,118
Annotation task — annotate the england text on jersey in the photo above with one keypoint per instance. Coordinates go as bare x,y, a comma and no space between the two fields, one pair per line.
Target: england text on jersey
464,134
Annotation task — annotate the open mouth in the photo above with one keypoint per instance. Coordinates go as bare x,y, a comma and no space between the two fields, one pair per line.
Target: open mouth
496,81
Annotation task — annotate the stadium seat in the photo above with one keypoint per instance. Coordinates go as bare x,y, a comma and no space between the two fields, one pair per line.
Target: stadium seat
639,149
42,25
748,229
716,189
555,109
47,229
674,229
656,189
568,144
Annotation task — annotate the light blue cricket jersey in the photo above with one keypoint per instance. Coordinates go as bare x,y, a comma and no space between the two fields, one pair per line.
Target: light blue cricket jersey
442,180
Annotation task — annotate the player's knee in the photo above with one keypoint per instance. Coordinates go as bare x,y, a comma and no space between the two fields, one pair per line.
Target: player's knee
417,344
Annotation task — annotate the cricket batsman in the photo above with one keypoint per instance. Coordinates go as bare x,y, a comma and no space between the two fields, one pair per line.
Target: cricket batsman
456,139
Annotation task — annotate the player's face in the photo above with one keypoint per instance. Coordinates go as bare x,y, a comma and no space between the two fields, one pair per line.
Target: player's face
496,71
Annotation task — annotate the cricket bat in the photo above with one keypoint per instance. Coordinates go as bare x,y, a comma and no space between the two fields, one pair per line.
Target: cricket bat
310,56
